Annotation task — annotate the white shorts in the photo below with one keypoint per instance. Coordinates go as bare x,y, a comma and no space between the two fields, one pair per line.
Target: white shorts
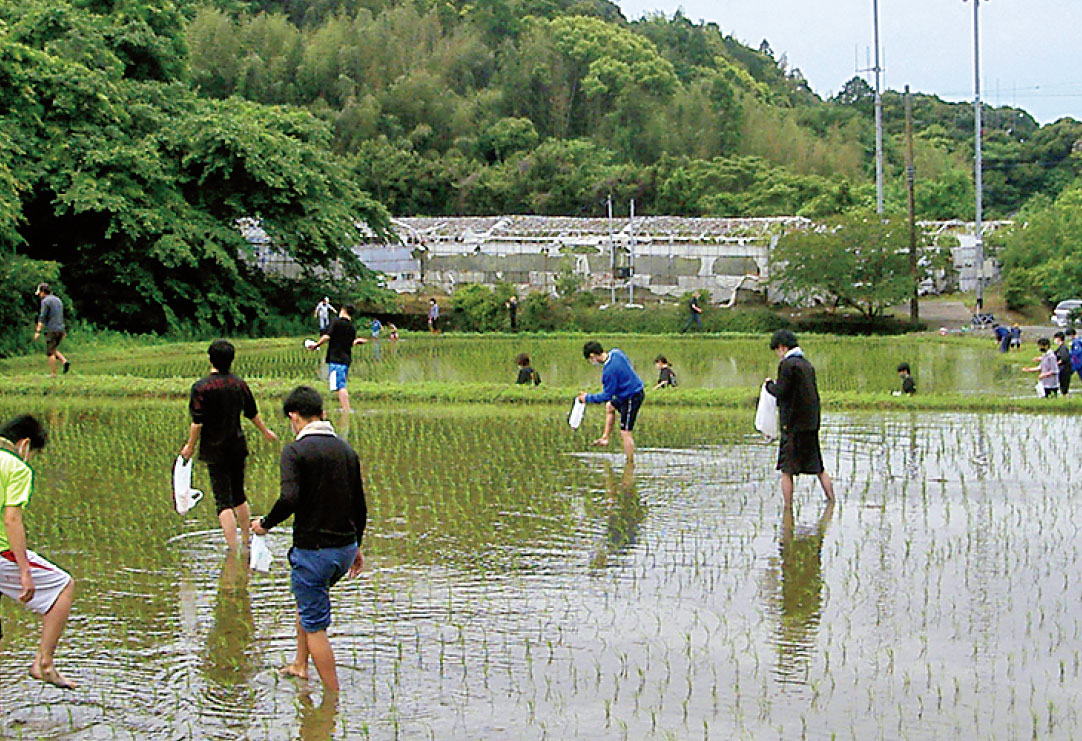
49,581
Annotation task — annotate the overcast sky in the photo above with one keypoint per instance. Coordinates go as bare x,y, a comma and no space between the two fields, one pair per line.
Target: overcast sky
1031,50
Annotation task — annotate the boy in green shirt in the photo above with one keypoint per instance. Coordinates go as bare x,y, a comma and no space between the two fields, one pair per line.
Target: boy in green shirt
24,575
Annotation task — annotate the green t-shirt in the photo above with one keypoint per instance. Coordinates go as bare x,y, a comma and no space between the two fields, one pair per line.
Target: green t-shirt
16,483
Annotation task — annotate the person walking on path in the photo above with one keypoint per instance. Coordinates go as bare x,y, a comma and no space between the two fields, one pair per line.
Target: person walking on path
322,490
622,391
340,339
512,311
433,315
216,403
25,576
1063,361
51,320
799,416
324,313
695,313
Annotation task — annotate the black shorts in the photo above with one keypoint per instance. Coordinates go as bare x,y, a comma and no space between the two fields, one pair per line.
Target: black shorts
227,482
52,341
629,410
798,452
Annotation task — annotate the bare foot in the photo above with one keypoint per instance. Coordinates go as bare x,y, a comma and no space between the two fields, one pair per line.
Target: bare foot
601,442
291,672
50,675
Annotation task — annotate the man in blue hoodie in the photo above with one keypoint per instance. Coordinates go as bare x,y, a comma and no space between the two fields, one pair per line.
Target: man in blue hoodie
622,391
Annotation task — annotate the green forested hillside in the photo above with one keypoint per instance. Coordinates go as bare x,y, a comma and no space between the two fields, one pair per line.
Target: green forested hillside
134,134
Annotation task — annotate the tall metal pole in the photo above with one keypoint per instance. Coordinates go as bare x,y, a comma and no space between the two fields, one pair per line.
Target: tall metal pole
631,257
978,179
910,180
612,256
878,115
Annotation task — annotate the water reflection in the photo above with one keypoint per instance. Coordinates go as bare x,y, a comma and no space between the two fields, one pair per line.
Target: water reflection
624,514
317,721
228,660
800,597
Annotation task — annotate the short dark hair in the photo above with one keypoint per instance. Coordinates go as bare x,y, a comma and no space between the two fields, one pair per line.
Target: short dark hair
221,354
783,338
1070,332
593,347
25,427
350,310
1059,335
903,367
1043,343
661,359
43,288
522,359
305,401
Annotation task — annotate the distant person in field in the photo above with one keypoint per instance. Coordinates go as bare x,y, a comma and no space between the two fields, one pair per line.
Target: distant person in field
51,320
666,377
216,403
340,339
1003,337
323,492
512,311
909,386
433,316
526,374
1047,369
375,327
324,314
1063,362
1075,345
25,576
695,313
1016,337
799,416
622,391
392,333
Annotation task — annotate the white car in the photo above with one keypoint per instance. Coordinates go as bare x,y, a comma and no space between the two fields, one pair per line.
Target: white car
1061,317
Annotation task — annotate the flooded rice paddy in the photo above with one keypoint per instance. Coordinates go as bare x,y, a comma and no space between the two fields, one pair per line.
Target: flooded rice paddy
521,585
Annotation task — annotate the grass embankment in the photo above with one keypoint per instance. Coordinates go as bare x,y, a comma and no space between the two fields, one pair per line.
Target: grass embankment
129,387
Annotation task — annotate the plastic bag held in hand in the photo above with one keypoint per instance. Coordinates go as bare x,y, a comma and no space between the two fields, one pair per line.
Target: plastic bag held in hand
766,414
184,496
574,418
260,557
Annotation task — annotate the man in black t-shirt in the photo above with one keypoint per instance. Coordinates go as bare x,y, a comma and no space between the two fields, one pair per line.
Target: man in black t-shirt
216,404
695,313
340,339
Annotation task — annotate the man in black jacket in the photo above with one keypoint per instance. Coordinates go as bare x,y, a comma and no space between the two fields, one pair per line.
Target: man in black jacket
798,411
321,487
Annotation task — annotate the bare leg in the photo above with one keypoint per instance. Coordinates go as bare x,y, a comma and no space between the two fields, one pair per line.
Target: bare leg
828,485
228,521
629,446
343,400
610,422
243,516
53,623
60,356
787,489
319,646
299,666
52,365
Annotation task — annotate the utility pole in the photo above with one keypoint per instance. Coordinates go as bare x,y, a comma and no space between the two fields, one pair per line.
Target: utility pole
878,115
612,256
631,256
910,179
978,179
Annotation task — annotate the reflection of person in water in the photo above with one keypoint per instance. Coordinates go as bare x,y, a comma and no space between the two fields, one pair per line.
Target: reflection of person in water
317,721
801,593
624,513
228,661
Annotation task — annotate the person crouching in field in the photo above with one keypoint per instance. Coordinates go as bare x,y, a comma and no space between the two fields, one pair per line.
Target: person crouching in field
622,391
798,414
25,576
216,403
323,491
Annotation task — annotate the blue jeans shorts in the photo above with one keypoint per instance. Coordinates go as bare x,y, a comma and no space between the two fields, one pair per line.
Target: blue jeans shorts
313,574
338,374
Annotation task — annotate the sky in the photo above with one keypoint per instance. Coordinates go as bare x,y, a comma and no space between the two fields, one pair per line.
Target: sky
1031,50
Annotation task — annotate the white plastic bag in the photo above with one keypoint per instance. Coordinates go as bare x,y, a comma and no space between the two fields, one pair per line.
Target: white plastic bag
259,558
1040,389
766,414
578,411
184,496
309,344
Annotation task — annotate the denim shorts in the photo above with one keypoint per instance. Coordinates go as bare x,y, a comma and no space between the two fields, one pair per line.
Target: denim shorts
338,374
313,574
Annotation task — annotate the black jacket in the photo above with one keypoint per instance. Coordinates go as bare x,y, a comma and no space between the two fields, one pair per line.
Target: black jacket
797,394
321,487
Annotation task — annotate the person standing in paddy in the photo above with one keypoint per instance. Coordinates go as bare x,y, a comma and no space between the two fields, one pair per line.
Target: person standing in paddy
216,404
324,313
622,391
799,416
433,316
340,339
51,320
323,491
25,576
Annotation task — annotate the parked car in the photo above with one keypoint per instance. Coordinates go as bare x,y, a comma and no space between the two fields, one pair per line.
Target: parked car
1066,312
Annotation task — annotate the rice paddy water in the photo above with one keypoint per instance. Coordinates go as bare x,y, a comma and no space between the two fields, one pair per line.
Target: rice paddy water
520,584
